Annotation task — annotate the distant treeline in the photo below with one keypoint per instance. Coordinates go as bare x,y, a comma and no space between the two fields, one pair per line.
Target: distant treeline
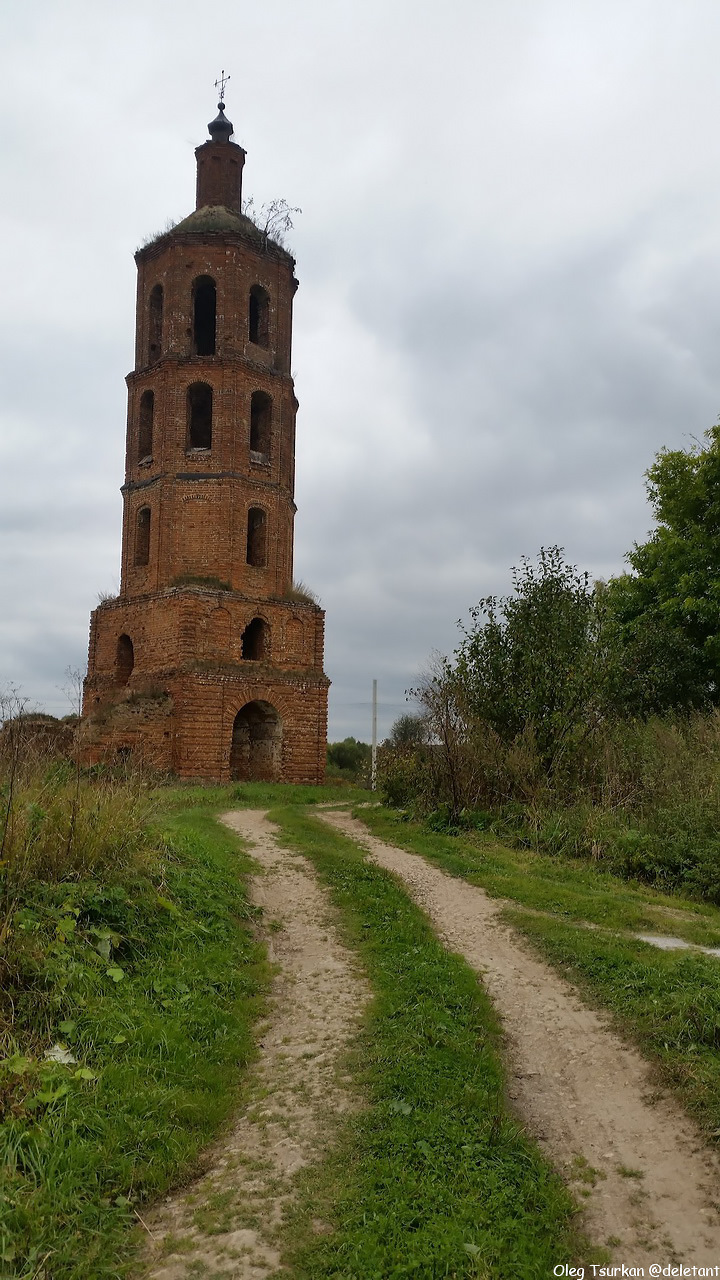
349,761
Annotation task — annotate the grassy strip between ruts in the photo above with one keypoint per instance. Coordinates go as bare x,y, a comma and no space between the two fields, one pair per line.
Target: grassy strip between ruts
433,1178
150,980
667,1001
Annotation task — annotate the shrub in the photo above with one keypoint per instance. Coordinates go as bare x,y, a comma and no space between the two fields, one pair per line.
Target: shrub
641,798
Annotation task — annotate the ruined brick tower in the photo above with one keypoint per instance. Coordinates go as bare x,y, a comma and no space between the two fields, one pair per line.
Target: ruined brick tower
210,663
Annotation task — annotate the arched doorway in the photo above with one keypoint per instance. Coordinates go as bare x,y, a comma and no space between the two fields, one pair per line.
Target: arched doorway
256,747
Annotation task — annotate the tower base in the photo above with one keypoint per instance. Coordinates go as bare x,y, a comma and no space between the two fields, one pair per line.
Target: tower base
217,726
204,718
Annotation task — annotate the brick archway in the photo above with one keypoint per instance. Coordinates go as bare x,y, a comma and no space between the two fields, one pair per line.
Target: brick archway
256,744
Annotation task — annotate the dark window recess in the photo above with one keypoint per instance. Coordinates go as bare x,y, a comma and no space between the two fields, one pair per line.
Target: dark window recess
260,425
142,536
199,416
259,316
204,314
156,324
145,426
124,660
257,537
255,639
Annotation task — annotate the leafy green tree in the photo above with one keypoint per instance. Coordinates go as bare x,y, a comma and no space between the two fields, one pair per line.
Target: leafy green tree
668,610
538,659
408,731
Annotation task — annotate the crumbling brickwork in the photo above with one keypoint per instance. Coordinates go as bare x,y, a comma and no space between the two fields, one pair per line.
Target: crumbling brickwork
208,663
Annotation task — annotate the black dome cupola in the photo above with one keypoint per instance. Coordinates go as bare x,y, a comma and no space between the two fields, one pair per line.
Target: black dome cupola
220,129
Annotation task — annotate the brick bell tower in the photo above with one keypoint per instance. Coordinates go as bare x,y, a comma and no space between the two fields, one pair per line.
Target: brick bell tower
209,663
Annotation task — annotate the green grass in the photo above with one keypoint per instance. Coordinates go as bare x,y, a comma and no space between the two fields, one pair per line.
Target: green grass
564,887
255,795
151,979
668,1003
433,1178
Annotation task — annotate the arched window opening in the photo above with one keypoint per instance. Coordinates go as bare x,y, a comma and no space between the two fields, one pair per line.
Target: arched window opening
199,416
257,537
124,660
145,427
260,426
256,746
156,324
259,316
142,536
204,315
255,641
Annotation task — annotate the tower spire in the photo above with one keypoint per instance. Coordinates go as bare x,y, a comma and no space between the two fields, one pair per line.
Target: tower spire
220,161
220,86
220,129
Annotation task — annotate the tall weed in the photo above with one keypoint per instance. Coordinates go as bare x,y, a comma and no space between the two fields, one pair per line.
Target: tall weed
639,797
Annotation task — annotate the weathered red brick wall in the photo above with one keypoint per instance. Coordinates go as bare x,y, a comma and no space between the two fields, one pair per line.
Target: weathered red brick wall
206,707
199,499
136,722
219,174
187,626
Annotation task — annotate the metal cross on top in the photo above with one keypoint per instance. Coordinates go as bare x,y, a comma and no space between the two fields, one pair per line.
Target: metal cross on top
220,84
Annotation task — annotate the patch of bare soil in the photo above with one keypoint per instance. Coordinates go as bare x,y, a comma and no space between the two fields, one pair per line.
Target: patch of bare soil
645,1181
225,1225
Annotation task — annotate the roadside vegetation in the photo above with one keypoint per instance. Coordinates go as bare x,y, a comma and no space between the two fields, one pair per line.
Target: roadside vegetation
129,980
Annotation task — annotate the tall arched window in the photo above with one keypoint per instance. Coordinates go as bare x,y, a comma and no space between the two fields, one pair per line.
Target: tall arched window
142,536
257,537
155,327
124,660
259,316
145,425
204,302
260,426
255,641
199,416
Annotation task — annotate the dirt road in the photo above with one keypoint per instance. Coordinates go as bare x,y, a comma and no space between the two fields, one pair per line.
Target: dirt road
226,1224
639,1169
647,1183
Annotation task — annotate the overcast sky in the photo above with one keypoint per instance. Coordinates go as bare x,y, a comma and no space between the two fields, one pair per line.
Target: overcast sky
509,264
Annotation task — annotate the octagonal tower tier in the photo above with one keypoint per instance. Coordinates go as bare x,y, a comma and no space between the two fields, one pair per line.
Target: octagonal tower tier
209,663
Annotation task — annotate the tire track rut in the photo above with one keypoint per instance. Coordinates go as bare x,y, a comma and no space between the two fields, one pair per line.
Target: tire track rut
226,1223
